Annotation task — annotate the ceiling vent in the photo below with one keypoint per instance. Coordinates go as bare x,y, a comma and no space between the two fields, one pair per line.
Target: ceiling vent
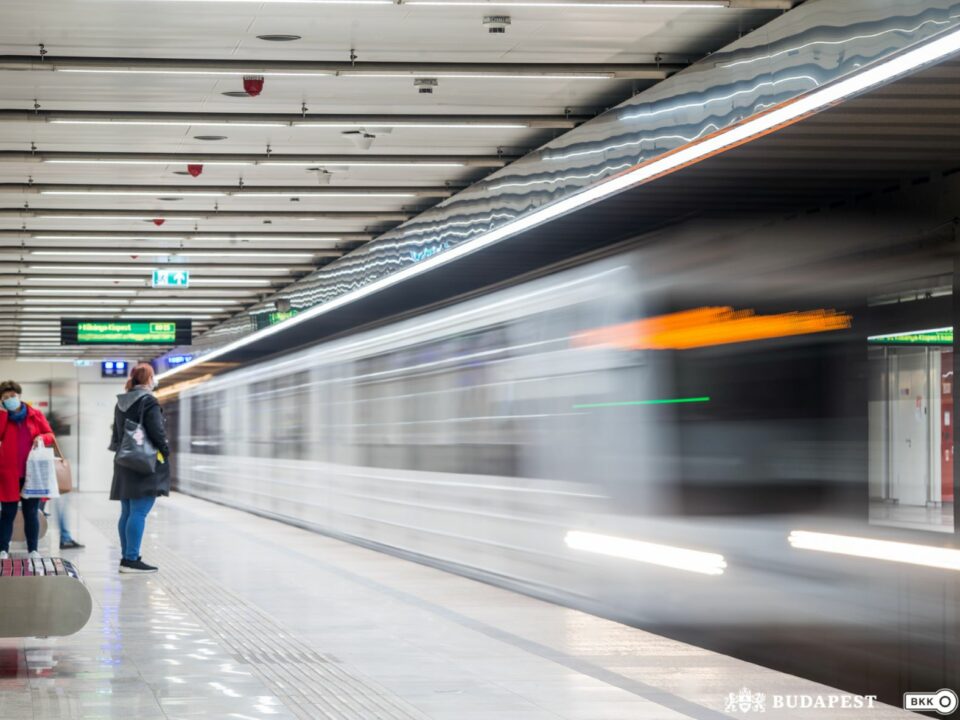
279,38
361,138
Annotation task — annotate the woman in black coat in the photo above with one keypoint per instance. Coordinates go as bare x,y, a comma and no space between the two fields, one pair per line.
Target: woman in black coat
138,491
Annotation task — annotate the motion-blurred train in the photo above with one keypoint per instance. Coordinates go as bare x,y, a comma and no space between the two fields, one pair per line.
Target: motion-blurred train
727,442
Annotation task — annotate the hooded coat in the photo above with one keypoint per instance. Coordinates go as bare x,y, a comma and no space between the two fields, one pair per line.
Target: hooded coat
129,484
11,462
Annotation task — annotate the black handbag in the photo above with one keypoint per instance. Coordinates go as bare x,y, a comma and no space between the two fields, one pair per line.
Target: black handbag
136,452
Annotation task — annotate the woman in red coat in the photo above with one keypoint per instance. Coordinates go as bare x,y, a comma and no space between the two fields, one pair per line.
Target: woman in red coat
21,429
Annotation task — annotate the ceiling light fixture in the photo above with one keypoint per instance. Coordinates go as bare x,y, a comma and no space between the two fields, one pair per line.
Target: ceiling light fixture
312,123
66,279
628,4
182,301
143,162
751,128
152,253
178,238
279,38
147,218
174,71
133,193
340,194
270,269
417,124
80,291
171,123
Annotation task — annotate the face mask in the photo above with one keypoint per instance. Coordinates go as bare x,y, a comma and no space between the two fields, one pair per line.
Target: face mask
11,404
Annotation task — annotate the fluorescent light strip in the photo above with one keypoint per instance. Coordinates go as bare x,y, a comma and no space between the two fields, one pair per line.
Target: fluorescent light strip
308,124
137,281
361,163
756,126
160,123
148,252
134,193
910,332
271,269
414,124
706,5
909,553
688,4
176,238
57,301
60,278
81,291
205,163
233,281
371,194
159,215
485,75
181,301
272,163
652,553
452,75
173,315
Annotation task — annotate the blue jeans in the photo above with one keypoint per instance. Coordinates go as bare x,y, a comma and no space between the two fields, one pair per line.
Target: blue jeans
60,505
133,517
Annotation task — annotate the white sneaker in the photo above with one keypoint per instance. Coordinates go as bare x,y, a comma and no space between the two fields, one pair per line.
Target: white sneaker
34,555
4,555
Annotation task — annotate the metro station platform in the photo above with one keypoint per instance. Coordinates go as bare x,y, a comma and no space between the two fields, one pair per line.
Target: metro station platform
250,618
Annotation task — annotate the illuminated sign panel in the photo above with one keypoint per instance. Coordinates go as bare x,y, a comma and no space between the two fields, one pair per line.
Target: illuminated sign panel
171,278
935,336
263,320
125,332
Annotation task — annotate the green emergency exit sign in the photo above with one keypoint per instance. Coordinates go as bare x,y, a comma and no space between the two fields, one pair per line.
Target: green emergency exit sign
171,278
136,333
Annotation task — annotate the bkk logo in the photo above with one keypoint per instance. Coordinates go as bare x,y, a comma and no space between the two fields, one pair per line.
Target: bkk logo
745,701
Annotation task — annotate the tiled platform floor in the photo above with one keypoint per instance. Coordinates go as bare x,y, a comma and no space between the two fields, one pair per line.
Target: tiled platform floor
250,619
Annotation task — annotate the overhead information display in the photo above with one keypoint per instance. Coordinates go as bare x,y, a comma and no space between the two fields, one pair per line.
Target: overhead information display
935,336
75,331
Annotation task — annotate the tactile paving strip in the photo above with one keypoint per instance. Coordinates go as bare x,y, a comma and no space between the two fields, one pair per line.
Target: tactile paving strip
312,685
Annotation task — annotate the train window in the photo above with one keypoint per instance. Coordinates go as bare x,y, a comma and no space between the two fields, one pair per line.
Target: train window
206,424
291,397
259,439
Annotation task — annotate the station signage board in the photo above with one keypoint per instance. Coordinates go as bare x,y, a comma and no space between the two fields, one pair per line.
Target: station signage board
123,331
170,278
264,320
934,336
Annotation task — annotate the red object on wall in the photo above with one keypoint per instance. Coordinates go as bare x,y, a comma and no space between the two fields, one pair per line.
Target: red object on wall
253,84
947,421
158,221
194,170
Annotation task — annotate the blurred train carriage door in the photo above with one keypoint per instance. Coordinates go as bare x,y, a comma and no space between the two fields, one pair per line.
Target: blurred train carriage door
290,415
593,398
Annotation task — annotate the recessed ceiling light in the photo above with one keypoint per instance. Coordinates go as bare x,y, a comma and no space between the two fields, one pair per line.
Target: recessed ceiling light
210,138
235,93
278,38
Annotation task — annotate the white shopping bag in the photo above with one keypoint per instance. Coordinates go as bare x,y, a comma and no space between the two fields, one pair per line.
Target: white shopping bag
41,479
